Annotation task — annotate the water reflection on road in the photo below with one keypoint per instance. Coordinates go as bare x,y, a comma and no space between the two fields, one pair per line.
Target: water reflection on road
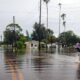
30,66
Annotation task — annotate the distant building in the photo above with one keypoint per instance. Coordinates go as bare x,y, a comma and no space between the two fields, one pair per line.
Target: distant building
53,45
32,44
35,44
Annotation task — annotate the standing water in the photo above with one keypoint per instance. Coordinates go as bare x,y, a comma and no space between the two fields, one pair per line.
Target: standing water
28,65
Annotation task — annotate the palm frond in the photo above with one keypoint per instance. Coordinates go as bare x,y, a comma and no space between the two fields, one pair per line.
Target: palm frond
46,1
63,16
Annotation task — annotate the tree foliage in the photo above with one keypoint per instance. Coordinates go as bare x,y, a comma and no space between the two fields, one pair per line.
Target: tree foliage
15,27
20,42
46,1
68,38
8,37
13,34
40,32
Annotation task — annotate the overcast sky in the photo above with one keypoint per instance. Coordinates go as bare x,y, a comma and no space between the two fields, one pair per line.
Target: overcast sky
27,13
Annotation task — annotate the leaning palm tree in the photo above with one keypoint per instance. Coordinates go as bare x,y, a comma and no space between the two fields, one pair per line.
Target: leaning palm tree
46,1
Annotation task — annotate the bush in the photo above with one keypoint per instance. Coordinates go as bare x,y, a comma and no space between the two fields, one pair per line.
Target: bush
19,44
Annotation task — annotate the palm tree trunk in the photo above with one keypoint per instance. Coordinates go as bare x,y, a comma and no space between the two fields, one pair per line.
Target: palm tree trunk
40,24
64,24
14,33
59,26
46,25
47,14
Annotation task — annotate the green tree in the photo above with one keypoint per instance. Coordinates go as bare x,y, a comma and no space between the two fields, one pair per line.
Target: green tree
70,38
51,39
8,37
20,42
42,34
12,34
15,30
13,26
39,32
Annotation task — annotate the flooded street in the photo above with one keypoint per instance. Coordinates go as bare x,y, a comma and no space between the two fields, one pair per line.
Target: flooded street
30,66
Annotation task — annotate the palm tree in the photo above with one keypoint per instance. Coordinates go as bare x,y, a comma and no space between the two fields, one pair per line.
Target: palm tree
59,16
60,5
46,1
40,23
64,24
63,16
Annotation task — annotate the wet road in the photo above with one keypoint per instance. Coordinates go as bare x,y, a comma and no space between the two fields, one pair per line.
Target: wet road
30,66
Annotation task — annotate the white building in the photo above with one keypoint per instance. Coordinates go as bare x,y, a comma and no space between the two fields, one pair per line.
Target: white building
32,44
53,45
35,44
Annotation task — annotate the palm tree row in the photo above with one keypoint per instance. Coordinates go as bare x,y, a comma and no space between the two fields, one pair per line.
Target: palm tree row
46,1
